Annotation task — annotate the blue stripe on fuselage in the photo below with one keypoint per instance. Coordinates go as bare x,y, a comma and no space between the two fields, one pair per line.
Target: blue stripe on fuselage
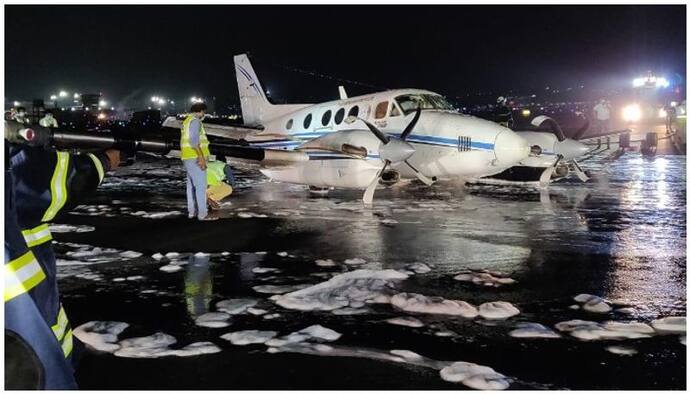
421,139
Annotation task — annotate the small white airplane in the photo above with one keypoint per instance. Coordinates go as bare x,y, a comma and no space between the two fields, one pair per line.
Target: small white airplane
357,142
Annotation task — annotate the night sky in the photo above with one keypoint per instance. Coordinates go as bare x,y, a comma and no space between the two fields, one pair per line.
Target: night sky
131,52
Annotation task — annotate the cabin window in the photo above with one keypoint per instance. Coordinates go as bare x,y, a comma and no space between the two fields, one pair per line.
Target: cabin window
339,116
326,118
354,111
394,110
307,121
381,110
288,125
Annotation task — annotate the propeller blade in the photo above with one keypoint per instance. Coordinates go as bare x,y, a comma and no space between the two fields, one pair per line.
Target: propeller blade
427,181
552,124
368,196
412,124
378,133
545,177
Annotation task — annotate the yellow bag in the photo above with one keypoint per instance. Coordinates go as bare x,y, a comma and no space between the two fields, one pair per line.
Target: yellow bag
219,191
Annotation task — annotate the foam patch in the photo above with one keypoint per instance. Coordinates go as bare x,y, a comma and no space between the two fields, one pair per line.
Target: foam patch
236,306
621,350
484,278
249,337
418,268
498,310
533,330
592,303
355,261
670,325
325,263
351,289
417,303
213,320
593,331
101,335
278,289
406,321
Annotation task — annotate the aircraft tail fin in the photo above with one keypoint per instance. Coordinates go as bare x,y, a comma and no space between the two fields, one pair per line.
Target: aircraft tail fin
256,109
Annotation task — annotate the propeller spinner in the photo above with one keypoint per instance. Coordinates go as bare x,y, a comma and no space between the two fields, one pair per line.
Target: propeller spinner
394,150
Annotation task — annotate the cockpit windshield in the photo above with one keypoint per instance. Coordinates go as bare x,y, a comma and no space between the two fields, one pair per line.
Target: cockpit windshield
409,102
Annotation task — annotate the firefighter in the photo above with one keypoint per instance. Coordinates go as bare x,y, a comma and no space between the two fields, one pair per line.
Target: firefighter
40,184
503,113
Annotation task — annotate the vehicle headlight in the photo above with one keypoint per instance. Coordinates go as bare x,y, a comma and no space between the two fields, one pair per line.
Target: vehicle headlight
632,113
662,113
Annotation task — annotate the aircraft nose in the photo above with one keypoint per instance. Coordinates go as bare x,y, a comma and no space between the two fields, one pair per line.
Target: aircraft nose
510,148
571,149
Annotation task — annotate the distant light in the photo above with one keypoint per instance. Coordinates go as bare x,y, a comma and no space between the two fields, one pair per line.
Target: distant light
662,113
172,102
651,82
63,93
526,112
112,108
674,103
102,103
53,97
632,113
101,116
72,109
154,99
76,95
16,103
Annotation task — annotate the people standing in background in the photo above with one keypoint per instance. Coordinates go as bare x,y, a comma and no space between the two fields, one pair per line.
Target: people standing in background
602,114
48,120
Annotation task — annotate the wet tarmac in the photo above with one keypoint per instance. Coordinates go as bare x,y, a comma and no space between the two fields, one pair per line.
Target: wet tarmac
383,285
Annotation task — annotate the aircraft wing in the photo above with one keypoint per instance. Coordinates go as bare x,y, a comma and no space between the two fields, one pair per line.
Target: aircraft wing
222,131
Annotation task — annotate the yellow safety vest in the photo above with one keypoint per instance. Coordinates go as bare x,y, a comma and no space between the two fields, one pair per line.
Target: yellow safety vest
186,149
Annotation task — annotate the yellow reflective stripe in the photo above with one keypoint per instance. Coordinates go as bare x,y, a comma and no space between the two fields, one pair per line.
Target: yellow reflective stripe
37,235
61,324
67,343
99,167
21,275
58,187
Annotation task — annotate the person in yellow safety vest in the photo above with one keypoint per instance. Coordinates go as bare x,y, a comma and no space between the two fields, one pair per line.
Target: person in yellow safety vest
195,154
48,120
217,188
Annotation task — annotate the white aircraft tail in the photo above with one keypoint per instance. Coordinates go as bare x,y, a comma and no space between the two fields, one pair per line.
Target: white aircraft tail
256,109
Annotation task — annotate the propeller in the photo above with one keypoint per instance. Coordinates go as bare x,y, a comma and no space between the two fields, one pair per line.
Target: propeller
553,125
394,150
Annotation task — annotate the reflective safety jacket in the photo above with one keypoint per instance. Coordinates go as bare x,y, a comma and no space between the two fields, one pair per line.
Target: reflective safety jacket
215,172
186,149
39,185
